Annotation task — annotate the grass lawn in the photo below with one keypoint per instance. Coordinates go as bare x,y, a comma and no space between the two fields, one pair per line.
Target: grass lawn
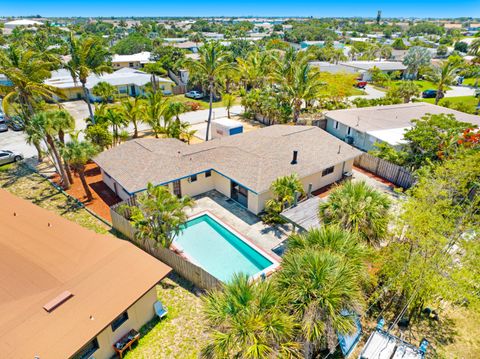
423,84
468,103
24,183
181,333
470,82
203,102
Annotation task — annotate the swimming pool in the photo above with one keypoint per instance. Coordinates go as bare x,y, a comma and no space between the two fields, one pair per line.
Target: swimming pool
210,245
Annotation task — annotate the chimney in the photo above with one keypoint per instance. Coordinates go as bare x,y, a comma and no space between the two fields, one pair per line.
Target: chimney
294,160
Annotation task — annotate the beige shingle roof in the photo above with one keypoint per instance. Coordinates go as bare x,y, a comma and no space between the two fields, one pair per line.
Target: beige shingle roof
393,116
253,159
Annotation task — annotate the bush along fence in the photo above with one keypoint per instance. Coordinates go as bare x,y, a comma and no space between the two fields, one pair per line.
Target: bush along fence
179,264
391,172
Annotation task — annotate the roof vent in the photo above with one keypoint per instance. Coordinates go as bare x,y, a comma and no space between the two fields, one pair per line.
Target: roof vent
294,159
57,301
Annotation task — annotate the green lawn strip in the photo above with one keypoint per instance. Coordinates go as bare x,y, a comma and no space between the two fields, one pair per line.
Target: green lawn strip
24,183
181,333
469,102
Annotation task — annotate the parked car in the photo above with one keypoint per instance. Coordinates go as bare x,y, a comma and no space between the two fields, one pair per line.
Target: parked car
16,124
431,94
9,157
361,84
3,125
194,94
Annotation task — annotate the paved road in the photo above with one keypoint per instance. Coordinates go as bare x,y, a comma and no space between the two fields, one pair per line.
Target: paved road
371,93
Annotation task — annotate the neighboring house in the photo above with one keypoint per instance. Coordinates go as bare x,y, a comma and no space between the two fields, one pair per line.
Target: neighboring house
363,127
188,45
128,82
363,67
241,167
68,292
305,44
134,61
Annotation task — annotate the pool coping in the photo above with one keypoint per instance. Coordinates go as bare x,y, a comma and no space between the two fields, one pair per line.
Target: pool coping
266,272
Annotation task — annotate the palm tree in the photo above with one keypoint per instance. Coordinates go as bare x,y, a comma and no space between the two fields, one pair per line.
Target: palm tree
155,69
77,154
62,122
415,58
132,111
159,215
406,90
156,110
114,118
256,69
176,109
304,87
321,286
357,207
212,64
228,101
43,125
246,319
26,71
284,190
105,91
88,56
443,75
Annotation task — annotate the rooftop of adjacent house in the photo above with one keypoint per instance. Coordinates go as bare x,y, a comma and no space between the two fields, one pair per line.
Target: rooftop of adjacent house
23,22
393,116
253,159
62,284
125,76
382,65
142,57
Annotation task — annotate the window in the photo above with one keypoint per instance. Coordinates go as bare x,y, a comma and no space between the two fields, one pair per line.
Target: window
193,178
208,173
335,125
87,351
130,64
118,321
327,171
349,131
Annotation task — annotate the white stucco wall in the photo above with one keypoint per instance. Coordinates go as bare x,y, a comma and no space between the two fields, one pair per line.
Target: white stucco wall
110,182
138,314
201,185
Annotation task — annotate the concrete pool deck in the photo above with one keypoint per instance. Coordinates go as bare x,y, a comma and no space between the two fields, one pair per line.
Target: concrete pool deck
249,225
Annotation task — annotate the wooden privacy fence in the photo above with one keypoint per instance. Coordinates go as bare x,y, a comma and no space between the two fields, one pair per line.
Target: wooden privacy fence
182,266
391,172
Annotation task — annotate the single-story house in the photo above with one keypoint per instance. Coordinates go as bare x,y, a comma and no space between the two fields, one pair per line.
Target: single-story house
363,127
242,166
336,44
364,67
128,81
68,292
134,61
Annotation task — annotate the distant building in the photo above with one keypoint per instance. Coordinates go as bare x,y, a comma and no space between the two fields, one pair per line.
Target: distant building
451,26
68,292
22,22
305,44
362,68
134,61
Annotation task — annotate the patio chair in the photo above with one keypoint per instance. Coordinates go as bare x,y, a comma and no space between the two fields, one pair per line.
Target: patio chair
160,310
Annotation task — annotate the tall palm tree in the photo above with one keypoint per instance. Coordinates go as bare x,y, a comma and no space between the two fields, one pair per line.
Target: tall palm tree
155,69
246,319
359,208
89,55
43,125
62,122
321,286
77,154
132,111
304,87
256,69
115,118
443,75
212,64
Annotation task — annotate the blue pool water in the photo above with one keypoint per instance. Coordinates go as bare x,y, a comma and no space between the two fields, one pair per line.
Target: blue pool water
217,250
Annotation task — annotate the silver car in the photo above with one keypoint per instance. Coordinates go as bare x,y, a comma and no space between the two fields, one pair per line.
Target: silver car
194,94
3,125
9,157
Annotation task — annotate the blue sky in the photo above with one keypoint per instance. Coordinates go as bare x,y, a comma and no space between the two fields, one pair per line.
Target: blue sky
319,8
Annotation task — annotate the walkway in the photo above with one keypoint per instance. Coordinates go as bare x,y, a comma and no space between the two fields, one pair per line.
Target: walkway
371,93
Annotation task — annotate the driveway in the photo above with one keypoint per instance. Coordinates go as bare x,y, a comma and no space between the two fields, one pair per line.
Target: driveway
15,141
456,91
371,93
